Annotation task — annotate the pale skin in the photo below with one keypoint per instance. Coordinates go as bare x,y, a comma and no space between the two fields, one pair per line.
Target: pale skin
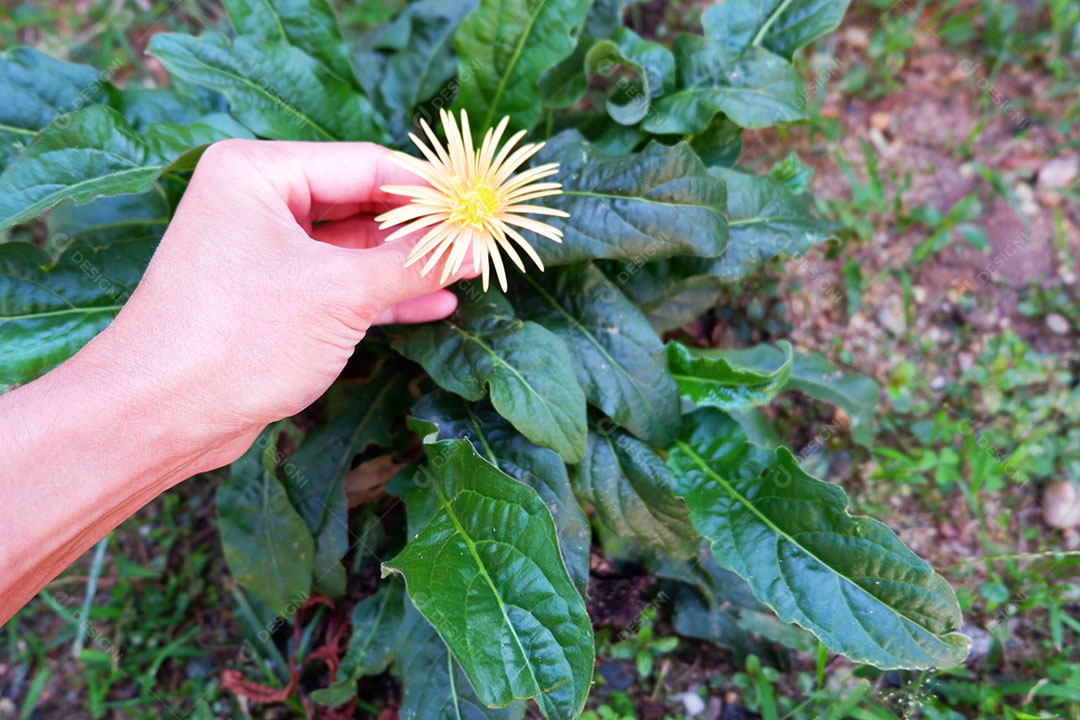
247,313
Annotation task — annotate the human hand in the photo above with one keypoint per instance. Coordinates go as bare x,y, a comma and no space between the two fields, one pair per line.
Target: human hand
268,276
247,312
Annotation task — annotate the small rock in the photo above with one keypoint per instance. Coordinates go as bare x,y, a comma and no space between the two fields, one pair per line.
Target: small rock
694,705
981,642
1026,195
891,317
1057,324
880,120
919,293
966,360
856,38
938,382
1056,175
1061,505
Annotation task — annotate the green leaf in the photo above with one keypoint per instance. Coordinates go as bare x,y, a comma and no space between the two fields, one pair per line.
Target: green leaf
267,543
273,88
48,311
524,366
661,290
792,173
654,204
707,378
708,603
755,89
504,47
539,468
186,143
142,107
309,25
766,220
487,573
651,64
423,64
108,220
616,356
93,153
782,26
605,16
855,394
434,687
376,625
720,144
848,580
38,89
316,470
812,374
632,491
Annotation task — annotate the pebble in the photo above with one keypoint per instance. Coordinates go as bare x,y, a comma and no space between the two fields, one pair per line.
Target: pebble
981,642
891,318
1056,175
1057,324
1061,505
692,702
1026,195
880,120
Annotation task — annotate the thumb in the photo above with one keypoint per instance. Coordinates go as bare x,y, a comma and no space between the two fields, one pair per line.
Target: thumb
380,279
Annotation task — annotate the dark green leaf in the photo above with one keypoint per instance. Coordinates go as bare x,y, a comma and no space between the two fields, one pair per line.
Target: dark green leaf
708,378
108,220
539,468
636,70
309,25
855,394
37,89
273,88
811,373
661,290
267,544
754,89
792,173
605,16
487,573
653,64
632,491
782,26
504,47
766,220
848,580
421,68
47,311
433,684
143,106
524,366
616,356
315,471
376,625
720,144
657,203
563,85
93,153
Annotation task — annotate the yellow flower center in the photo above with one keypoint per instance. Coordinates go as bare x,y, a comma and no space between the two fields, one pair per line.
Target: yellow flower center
475,205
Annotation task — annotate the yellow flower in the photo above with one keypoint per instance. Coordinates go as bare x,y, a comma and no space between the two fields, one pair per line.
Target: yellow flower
473,201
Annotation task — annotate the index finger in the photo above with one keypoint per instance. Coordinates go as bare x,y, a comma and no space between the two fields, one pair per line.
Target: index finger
323,176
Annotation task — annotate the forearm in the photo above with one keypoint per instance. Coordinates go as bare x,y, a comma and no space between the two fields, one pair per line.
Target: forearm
82,449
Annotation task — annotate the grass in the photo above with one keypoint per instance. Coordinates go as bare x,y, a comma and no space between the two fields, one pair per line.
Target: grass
958,467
